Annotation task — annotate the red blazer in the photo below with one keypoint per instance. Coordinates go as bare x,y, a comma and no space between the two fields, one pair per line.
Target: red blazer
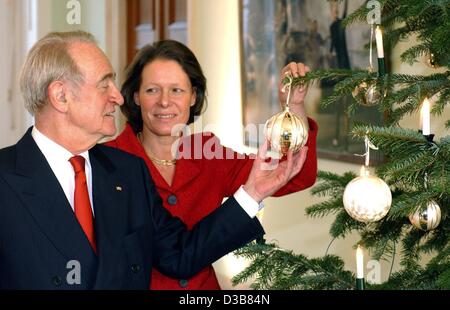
200,184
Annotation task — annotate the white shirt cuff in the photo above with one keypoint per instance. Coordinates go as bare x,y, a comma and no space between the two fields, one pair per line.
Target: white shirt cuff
247,202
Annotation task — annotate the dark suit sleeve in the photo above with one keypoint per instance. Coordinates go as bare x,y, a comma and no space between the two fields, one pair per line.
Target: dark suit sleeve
181,253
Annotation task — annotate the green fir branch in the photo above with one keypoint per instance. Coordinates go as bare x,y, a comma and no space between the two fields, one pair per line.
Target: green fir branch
412,54
344,224
331,184
324,208
292,271
443,100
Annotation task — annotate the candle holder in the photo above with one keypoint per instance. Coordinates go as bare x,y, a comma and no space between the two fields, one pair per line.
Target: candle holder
381,67
260,240
429,137
360,284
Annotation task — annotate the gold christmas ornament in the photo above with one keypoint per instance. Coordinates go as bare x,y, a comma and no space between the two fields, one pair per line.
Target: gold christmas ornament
373,95
426,218
285,130
428,59
367,93
367,198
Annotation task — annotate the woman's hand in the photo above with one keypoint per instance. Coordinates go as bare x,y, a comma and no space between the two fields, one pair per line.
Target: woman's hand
298,93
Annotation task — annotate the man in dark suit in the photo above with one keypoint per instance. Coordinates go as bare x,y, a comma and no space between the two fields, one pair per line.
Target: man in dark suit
77,215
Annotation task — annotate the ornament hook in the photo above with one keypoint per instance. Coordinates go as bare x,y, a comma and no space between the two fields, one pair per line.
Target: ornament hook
368,145
289,86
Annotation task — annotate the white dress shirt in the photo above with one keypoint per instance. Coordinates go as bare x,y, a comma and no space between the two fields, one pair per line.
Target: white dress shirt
247,202
58,159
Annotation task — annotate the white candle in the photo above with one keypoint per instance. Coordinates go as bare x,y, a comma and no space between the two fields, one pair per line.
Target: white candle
359,263
379,39
425,113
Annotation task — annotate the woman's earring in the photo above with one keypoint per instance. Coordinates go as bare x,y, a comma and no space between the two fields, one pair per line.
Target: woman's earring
136,100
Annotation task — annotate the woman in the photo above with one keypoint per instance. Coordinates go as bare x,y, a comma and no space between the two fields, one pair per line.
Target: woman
165,87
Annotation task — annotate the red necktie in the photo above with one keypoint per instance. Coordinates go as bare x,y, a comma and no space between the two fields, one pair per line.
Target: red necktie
82,204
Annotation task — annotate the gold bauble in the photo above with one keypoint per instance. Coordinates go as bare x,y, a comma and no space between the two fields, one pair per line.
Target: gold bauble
373,95
429,60
367,198
286,131
367,94
426,218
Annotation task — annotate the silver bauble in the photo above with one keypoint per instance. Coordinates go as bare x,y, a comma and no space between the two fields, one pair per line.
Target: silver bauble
367,198
426,218
286,131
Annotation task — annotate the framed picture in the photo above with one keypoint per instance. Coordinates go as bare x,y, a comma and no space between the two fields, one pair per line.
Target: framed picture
276,32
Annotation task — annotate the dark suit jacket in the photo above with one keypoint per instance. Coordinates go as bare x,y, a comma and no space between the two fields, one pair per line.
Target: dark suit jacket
40,237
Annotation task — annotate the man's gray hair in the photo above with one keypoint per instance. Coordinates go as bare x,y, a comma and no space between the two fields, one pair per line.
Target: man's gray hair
49,60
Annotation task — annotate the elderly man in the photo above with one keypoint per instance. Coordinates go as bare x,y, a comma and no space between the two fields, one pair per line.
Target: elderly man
77,215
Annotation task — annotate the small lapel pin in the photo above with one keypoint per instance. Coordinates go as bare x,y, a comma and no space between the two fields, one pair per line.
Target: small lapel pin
119,188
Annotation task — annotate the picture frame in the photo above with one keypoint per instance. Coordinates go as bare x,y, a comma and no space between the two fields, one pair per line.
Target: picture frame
276,32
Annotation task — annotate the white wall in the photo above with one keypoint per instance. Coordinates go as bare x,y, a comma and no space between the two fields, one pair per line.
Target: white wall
13,27
7,116
213,34
22,22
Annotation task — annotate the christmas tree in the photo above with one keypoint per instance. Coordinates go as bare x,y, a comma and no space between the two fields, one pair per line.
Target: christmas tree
415,168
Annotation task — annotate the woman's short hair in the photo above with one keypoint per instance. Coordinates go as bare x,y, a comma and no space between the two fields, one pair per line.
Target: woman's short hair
166,50
49,60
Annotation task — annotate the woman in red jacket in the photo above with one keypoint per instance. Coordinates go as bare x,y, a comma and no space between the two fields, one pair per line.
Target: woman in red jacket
165,87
